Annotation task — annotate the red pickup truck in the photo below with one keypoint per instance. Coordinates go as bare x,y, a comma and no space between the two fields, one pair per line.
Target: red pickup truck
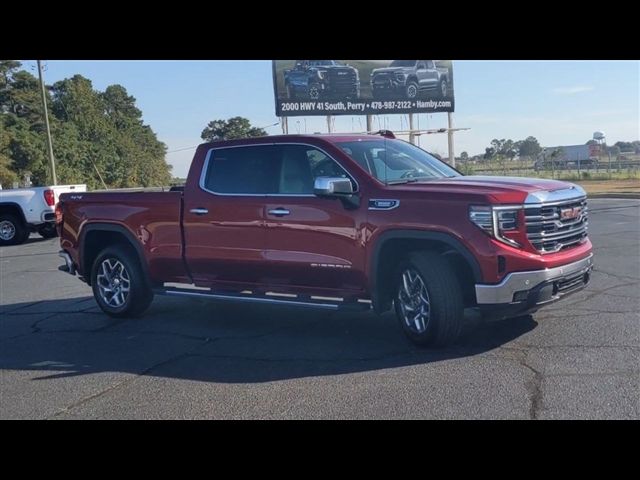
334,222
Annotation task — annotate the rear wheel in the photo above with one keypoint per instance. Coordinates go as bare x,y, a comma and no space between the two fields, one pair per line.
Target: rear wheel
444,88
428,300
12,230
119,284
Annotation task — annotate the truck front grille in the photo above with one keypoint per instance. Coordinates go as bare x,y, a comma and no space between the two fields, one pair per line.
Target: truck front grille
555,227
342,80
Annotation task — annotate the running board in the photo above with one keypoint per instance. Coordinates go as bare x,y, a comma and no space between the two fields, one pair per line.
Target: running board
293,302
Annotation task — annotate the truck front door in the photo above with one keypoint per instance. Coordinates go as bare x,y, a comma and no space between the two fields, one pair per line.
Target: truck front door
313,244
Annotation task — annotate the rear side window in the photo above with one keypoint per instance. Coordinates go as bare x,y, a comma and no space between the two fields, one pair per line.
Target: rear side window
242,170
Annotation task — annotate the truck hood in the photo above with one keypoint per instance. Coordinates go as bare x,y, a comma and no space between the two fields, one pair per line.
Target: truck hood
499,189
390,70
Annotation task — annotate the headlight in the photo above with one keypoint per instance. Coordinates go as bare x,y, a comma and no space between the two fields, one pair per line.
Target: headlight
401,76
320,74
498,222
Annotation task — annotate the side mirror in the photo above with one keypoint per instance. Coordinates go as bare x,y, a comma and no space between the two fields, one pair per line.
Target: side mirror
332,186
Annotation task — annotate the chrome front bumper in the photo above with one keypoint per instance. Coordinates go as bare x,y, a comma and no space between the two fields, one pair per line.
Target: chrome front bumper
503,292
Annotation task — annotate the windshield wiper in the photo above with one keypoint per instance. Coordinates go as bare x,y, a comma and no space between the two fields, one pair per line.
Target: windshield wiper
405,180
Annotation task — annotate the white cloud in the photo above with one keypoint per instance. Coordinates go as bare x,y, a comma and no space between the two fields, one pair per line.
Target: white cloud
573,90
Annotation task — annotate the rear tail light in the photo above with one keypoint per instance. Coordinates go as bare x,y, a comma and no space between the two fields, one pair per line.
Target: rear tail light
49,197
58,213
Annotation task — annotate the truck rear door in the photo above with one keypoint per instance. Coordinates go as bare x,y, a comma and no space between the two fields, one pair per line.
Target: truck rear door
224,217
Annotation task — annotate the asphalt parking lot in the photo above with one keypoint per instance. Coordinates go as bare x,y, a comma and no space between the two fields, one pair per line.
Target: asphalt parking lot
61,358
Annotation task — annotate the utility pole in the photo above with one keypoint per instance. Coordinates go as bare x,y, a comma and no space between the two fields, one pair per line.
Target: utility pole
46,122
452,156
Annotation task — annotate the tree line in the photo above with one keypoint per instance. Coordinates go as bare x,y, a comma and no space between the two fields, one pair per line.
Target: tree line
99,138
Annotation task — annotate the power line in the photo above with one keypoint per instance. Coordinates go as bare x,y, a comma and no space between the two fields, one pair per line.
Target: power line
196,146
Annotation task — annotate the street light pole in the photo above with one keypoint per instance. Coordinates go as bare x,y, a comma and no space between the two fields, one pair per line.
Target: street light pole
46,122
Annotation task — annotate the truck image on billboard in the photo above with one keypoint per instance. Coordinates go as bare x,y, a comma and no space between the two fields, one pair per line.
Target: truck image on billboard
362,87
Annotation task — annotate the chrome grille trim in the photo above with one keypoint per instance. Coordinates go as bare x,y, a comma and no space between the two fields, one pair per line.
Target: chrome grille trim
548,233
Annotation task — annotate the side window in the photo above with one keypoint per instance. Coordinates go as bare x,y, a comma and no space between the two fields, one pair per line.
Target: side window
421,65
242,170
301,165
430,65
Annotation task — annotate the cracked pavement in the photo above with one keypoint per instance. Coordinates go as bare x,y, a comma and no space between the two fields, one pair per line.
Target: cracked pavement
61,358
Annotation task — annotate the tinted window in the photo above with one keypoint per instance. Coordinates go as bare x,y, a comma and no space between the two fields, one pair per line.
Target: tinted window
299,167
403,63
430,64
242,170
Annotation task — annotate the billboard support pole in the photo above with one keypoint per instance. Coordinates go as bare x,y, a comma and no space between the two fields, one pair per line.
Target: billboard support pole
369,123
452,156
285,125
329,129
412,137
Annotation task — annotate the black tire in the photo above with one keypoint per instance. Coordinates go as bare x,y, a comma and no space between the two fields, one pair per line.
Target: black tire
411,90
443,88
12,230
446,306
139,295
48,230
313,92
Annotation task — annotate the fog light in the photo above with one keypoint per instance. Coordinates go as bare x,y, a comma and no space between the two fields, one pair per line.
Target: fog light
521,296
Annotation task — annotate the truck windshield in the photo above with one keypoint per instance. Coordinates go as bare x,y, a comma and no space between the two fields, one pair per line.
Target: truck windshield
395,161
403,63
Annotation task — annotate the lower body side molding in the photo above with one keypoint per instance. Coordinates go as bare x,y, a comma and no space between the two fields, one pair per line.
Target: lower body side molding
323,303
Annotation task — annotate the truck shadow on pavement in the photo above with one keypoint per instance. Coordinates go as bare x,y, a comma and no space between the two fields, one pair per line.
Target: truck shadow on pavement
212,342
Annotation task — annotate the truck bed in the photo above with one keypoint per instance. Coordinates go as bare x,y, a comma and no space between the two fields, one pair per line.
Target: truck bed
153,218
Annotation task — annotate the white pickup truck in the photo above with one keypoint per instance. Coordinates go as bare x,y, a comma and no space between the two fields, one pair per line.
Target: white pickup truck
24,210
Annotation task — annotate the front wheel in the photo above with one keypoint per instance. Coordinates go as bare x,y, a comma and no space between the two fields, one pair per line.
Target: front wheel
427,300
314,91
119,284
411,90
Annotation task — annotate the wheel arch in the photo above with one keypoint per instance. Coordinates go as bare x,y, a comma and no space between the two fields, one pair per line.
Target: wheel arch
14,209
391,244
95,237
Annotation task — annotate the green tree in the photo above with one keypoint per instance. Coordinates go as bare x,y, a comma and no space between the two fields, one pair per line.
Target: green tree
464,156
91,130
233,128
529,147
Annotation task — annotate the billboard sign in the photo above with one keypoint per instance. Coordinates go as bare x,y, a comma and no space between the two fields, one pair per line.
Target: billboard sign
362,87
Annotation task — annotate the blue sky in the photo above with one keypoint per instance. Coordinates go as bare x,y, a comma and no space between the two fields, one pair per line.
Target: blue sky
558,102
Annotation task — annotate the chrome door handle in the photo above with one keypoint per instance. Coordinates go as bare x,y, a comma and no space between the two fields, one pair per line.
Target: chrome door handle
199,211
279,212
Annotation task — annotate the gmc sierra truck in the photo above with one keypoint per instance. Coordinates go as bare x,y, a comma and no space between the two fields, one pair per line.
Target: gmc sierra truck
334,222
409,78
319,79
26,210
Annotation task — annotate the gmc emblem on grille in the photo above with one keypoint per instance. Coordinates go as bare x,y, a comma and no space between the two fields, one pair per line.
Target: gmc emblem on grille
570,213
